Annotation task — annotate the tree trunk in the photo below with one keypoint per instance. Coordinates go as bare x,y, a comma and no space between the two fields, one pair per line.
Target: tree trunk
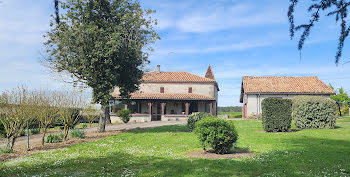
43,138
66,131
12,144
8,142
339,109
108,117
102,121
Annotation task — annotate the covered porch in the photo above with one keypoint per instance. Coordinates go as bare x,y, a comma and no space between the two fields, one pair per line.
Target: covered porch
145,110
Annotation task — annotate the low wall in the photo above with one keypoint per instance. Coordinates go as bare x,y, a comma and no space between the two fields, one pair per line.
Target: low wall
134,118
174,117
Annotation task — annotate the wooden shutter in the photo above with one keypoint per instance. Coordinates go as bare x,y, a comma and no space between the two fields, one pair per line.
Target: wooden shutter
161,89
189,89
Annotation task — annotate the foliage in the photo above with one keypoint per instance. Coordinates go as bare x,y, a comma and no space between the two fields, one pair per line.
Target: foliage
344,110
339,8
194,118
5,150
53,138
34,131
77,133
217,134
2,131
276,114
84,126
166,147
102,44
124,115
313,112
341,98
230,109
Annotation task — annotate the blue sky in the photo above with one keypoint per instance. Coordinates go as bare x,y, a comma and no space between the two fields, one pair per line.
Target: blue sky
237,38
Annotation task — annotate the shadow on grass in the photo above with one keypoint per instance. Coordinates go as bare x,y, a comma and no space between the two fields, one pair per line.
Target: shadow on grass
305,157
166,128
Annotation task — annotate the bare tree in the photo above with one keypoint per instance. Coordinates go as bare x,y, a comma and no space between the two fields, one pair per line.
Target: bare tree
16,107
91,114
46,110
71,103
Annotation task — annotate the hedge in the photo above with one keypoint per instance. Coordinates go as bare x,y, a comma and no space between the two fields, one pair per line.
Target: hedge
195,117
276,114
314,112
216,133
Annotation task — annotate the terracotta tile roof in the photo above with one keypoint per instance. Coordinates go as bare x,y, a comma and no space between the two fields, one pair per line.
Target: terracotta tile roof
311,85
209,74
168,96
175,77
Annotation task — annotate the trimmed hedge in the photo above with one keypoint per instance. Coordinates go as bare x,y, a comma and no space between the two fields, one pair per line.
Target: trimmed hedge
217,134
276,114
195,117
314,112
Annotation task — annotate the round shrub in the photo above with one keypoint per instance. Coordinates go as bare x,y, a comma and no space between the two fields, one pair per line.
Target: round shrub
314,112
195,117
216,133
77,133
276,114
35,131
124,115
53,138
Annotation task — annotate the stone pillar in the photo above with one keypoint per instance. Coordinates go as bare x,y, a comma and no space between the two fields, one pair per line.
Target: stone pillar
150,109
163,108
125,106
187,108
211,108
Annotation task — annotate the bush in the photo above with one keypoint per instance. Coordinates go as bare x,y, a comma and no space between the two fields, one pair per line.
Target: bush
124,115
276,114
77,133
53,138
5,150
2,130
195,117
314,112
344,111
34,131
217,134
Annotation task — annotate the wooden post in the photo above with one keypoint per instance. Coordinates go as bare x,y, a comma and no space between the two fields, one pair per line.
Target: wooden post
211,108
187,108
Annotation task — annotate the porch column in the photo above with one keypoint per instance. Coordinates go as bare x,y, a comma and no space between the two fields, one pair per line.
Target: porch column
163,108
125,106
211,108
187,108
150,109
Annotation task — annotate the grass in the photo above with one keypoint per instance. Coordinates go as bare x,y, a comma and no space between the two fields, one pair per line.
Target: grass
232,114
160,152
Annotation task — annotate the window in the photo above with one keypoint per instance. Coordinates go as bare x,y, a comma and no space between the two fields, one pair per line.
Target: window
161,89
189,89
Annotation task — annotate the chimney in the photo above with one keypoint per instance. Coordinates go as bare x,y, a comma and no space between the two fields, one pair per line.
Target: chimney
158,68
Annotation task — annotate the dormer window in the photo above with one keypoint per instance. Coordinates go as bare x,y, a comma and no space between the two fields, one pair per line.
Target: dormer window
189,89
161,89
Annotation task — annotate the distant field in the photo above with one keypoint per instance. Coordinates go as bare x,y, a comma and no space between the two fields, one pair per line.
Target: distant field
232,114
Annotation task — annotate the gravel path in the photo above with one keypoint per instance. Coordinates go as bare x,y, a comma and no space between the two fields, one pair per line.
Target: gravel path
109,128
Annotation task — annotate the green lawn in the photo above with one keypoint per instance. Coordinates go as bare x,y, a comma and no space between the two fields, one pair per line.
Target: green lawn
160,152
232,114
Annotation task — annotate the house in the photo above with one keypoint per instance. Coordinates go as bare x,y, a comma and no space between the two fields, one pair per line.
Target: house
169,96
255,89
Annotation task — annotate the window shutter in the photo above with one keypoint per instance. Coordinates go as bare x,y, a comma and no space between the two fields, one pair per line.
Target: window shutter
161,89
189,89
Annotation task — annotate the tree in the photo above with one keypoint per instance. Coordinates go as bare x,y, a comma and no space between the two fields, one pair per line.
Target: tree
91,114
16,107
71,104
46,110
341,98
338,8
102,44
